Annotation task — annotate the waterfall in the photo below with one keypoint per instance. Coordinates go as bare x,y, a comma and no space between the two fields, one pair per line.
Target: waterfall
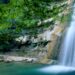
67,51
66,65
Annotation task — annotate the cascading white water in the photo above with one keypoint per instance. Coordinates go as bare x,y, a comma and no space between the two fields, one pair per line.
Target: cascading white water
67,51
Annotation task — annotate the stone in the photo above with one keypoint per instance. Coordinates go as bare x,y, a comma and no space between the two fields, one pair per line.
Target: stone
22,39
57,30
55,33
45,36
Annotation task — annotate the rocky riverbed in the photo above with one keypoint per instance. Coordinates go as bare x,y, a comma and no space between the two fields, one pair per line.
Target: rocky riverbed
8,58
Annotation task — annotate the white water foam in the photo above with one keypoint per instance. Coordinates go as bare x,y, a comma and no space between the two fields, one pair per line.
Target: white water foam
56,69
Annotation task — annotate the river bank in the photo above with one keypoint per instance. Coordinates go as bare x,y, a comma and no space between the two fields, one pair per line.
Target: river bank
10,58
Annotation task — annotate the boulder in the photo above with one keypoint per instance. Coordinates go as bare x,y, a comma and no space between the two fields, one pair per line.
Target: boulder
22,39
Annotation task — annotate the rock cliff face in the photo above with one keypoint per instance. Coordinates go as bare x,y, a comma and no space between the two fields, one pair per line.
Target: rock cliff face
55,34
43,40
44,43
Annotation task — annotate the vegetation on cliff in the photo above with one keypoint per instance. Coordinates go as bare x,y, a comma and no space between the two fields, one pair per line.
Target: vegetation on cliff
18,15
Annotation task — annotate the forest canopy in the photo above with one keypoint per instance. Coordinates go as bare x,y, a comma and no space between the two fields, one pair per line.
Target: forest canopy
25,13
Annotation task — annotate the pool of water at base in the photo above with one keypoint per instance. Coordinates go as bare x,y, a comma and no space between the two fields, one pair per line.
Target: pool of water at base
19,68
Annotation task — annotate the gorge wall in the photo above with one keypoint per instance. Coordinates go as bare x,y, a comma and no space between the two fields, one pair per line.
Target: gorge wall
41,40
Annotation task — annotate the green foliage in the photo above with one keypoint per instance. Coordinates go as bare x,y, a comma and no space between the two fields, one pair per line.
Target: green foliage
25,13
6,40
7,35
16,15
